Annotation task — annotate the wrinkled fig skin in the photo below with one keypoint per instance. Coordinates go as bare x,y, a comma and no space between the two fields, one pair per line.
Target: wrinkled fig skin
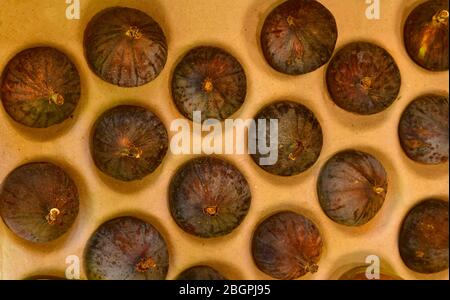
426,35
352,187
129,142
40,87
209,80
298,37
30,193
423,130
363,78
200,273
423,240
125,47
299,138
287,246
126,248
359,273
209,197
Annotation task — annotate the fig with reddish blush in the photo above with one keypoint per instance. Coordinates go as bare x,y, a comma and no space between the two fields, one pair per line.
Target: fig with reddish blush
129,142
126,248
39,202
352,186
287,246
40,87
423,129
423,239
298,37
125,46
299,138
363,78
209,197
211,81
360,273
426,35
201,273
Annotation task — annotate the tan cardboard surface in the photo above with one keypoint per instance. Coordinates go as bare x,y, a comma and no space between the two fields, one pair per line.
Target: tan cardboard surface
233,25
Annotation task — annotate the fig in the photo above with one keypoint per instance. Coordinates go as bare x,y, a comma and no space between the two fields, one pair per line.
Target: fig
351,187
426,35
39,202
209,197
287,246
298,37
40,87
423,238
359,273
129,142
363,78
201,273
126,248
299,138
423,129
125,46
209,80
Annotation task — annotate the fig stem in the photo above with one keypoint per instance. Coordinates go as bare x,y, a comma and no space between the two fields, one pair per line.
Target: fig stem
378,189
311,268
366,82
290,21
441,16
56,98
211,210
207,85
296,153
134,33
52,216
132,152
145,264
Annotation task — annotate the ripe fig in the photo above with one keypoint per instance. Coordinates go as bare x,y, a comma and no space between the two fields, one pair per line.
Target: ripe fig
39,202
352,186
129,142
363,78
298,36
126,248
423,129
40,87
423,239
201,273
125,46
209,197
287,246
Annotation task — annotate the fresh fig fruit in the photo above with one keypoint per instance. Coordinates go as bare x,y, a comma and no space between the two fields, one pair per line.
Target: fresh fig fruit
201,273
359,273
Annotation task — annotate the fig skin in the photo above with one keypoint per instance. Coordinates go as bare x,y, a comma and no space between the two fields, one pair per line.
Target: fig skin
363,78
298,37
125,46
126,248
287,246
426,35
209,197
423,238
39,202
40,87
200,273
351,187
300,138
129,142
210,80
359,273
423,130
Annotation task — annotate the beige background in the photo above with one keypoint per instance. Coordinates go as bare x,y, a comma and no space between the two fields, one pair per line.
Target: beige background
233,25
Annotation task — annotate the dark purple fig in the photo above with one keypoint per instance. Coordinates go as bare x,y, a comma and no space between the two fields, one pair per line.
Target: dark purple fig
426,35
39,202
201,273
298,36
129,142
287,246
40,87
209,197
299,138
423,129
359,273
423,240
125,46
363,78
126,248
352,186
209,80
